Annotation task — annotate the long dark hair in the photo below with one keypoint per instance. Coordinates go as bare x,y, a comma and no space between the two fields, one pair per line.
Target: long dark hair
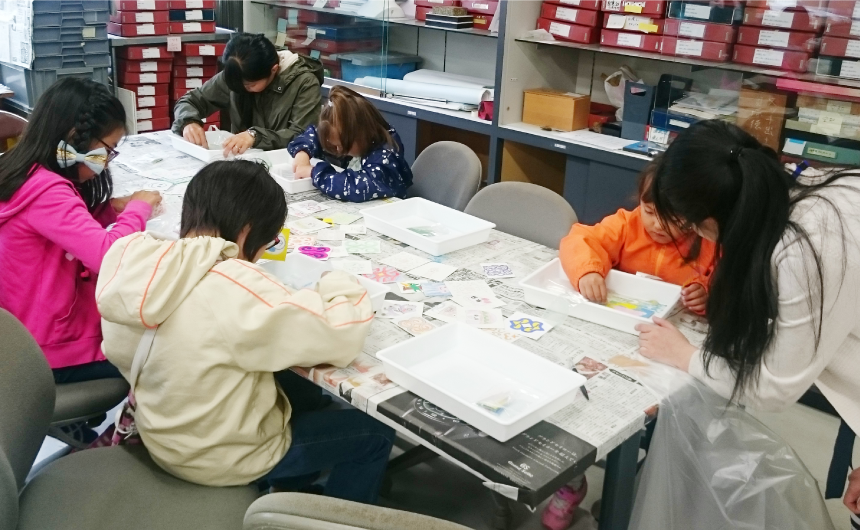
72,110
716,170
247,57
357,121
226,196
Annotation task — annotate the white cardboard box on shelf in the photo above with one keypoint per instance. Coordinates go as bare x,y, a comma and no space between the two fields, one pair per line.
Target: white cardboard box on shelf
428,226
458,367
544,288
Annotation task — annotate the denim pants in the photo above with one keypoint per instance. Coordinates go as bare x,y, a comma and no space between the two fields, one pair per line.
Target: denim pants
354,446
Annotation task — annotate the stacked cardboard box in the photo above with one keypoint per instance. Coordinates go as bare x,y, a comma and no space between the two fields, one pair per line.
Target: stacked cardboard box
571,20
630,24
704,30
146,71
778,36
193,66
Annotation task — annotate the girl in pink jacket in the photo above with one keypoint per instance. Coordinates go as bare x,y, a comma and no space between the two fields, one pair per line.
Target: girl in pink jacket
56,214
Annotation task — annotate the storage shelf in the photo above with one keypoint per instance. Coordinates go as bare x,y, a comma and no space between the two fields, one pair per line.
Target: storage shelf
627,52
399,21
220,35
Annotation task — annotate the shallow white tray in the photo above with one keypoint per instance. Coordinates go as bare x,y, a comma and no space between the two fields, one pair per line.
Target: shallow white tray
457,365
539,290
300,271
215,151
395,219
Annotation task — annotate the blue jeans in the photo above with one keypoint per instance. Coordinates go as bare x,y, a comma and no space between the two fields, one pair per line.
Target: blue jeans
85,372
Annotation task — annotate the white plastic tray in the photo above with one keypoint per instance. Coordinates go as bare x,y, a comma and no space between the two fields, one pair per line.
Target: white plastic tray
215,152
538,291
457,365
461,230
300,271
280,164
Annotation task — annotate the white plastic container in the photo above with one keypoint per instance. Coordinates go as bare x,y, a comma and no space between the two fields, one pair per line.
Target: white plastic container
541,289
457,366
215,138
456,230
300,271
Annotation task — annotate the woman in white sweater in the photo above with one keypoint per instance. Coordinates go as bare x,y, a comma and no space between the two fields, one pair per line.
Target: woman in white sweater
783,309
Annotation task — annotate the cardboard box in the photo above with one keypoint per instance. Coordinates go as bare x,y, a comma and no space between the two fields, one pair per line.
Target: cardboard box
839,47
635,7
700,30
177,28
481,21
635,23
593,5
563,111
844,9
192,4
148,90
838,67
153,113
177,93
144,52
762,114
849,132
160,124
829,105
140,17
700,49
137,30
568,15
842,27
432,3
779,59
796,20
143,78
789,4
569,32
145,102
774,38
483,7
141,5
421,12
192,15
144,66
194,71
184,60
188,83
623,39
720,13
202,49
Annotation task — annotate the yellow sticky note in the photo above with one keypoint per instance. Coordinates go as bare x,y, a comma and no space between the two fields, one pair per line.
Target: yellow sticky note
328,220
829,123
632,8
648,28
278,251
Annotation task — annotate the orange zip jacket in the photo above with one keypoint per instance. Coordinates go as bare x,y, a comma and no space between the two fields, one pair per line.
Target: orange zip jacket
620,242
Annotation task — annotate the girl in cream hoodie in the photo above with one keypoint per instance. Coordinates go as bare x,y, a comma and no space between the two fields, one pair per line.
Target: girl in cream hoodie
209,409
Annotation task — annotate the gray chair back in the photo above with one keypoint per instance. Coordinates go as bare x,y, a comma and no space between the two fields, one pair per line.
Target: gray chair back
525,210
447,173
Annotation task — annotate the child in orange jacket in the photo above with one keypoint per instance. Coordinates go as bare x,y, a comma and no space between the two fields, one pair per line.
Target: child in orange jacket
636,241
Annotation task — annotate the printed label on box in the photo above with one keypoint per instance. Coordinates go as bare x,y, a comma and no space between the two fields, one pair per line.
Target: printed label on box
826,153
143,126
141,18
194,72
613,5
146,29
566,14
151,53
147,90
148,78
193,4
146,4
658,136
856,13
782,4
768,57
679,123
855,28
193,83
145,114
190,27
174,44
146,102
559,29
149,66
88,33
829,123
794,147
779,19
293,16
485,7
625,39
570,2
194,15
194,60
689,47
850,69
853,48
773,38
839,107
689,29
207,50
697,11
615,21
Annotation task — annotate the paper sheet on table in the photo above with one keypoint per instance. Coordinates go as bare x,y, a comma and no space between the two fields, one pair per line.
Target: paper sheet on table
425,75
596,139
472,96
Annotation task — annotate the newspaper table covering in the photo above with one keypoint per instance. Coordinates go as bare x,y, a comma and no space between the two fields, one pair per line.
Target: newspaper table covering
530,466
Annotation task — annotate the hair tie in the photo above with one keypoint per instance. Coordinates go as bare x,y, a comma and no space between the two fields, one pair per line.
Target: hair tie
96,159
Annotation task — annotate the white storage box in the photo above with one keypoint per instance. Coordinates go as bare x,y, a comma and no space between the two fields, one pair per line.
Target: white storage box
300,271
542,288
458,366
428,226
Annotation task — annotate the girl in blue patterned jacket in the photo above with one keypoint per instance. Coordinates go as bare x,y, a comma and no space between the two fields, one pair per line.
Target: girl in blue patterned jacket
354,134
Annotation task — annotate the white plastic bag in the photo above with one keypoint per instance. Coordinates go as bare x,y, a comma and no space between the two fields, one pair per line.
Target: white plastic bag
167,217
615,84
712,466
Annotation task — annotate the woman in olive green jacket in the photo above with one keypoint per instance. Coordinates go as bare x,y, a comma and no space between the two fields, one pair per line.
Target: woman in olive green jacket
271,96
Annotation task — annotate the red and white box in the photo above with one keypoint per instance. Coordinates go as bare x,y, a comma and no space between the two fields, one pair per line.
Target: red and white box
142,78
421,12
144,66
203,49
483,7
344,46
188,83
481,21
434,3
635,23
179,92
636,7
140,17
593,5
568,15
178,28
700,30
790,4
192,4
137,30
142,5
195,71
842,28
148,90
146,102
844,9
779,59
153,113
774,38
570,32
700,49
638,41
184,60
144,52
840,47
160,124
771,18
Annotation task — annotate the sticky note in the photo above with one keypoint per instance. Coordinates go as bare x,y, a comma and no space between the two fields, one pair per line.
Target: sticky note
328,220
829,123
278,251
648,28
632,8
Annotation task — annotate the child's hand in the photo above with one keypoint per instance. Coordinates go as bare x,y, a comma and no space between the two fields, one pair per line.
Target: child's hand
238,144
153,198
593,287
303,172
194,133
695,298
301,159
118,203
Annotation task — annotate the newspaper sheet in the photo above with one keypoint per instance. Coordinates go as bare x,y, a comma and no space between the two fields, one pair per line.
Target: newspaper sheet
16,32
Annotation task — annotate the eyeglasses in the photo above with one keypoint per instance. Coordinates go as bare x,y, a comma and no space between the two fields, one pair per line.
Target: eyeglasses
112,153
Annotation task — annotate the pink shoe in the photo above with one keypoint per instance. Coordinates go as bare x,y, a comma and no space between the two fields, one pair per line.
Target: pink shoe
559,512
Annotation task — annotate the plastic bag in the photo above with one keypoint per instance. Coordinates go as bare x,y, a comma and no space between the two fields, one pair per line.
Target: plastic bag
614,86
713,466
167,217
